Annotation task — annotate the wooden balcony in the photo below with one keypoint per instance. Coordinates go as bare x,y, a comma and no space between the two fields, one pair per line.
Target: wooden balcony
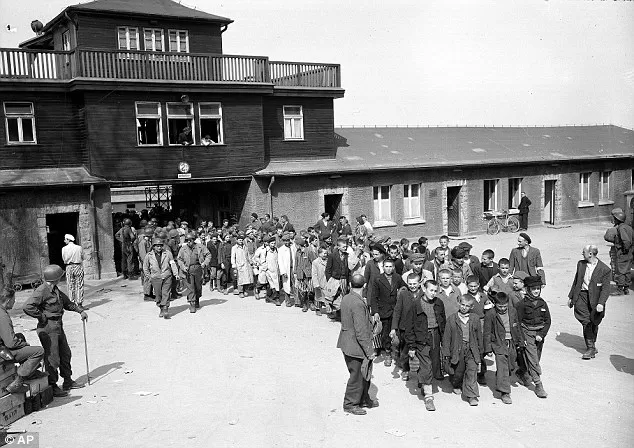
143,65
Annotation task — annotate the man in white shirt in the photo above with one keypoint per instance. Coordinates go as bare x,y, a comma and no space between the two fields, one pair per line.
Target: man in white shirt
73,257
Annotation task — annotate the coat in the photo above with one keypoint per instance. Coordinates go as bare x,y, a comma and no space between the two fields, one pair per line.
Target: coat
241,262
355,337
452,338
271,268
383,299
286,262
523,205
598,287
224,254
372,271
533,261
304,263
415,323
403,297
336,267
152,270
187,257
495,334
450,300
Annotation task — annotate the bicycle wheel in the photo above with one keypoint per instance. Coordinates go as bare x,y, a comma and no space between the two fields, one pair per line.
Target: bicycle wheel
493,228
513,224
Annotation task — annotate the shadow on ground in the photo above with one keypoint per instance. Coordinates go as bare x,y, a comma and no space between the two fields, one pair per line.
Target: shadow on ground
572,341
203,303
96,303
60,401
622,364
100,372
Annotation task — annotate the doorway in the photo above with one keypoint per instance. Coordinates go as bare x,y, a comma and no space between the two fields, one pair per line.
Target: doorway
58,225
453,211
332,205
549,201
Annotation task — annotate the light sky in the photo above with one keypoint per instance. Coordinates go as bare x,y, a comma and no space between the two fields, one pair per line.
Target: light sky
435,62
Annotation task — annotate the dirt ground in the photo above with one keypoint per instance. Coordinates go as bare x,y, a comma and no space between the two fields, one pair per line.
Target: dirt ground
243,373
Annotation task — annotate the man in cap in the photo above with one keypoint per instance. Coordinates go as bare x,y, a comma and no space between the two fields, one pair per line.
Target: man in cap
126,237
526,258
355,341
458,262
158,268
535,321
418,262
588,295
621,236
192,259
47,305
471,260
28,357
255,222
241,262
73,258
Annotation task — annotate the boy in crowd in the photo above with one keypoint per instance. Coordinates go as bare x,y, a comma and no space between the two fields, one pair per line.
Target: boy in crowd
395,255
404,300
214,272
462,350
486,269
224,260
534,316
456,280
502,334
404,248
423,248
319,278
481,305
303,275
443,241
503,280
424,322
518,288
448,293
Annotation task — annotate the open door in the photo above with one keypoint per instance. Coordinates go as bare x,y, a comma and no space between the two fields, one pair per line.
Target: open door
332,205
549,201
58,225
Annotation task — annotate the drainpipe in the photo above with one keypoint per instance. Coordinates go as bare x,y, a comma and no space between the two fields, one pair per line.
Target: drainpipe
271,182
95,235
223,28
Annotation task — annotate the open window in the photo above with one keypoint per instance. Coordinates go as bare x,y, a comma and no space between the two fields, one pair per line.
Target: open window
211,132
180,123
148,124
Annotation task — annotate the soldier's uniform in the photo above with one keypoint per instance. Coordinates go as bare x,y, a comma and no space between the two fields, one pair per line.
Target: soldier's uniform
192,261
622,251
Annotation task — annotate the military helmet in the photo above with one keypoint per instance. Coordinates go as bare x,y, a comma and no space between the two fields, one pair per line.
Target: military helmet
52,273
618,214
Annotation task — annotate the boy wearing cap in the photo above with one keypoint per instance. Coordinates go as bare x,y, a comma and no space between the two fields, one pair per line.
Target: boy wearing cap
502,334
518,293
534,317
462,350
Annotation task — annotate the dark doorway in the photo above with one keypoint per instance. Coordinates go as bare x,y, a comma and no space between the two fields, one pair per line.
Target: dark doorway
453,211
549,201
58,225
332,205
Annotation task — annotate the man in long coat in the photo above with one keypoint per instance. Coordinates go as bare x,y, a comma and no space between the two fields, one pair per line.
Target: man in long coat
286,264
240,260
588,294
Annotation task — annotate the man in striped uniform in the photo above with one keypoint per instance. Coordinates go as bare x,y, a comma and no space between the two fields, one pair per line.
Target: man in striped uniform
73,258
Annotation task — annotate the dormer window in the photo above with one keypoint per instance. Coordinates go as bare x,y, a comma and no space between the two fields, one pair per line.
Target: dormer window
179,41
153,39
128,38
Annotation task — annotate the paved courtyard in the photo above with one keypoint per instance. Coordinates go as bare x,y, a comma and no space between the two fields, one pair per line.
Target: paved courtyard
243,373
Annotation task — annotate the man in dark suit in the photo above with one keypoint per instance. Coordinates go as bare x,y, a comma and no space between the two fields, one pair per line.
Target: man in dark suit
382,304
337,268
524,209
527,258
588,294
355,341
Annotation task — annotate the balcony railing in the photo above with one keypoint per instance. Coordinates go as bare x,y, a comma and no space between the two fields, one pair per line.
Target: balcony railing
143,65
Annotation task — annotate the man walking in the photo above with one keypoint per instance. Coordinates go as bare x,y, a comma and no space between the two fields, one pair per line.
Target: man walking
192,259
73,258
588,294
622,238
355,341
126,237
158,268
47,305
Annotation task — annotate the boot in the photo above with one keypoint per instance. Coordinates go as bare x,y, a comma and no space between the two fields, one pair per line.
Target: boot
166,314
162,312
312,305
198,303
589,353
192,307
539,390
17,386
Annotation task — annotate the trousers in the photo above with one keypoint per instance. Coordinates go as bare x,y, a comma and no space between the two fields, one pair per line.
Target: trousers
533,355
582,314
434,335
466,373
162,288
357,387
127,259
29,359
425,368
57,353
504,368
194,282
524,221
75,282
621,267
386,341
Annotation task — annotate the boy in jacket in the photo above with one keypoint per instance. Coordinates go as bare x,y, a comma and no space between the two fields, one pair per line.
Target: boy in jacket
534,317
462,349
502,335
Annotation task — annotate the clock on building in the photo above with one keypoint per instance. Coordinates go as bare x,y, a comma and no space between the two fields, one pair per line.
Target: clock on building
183,167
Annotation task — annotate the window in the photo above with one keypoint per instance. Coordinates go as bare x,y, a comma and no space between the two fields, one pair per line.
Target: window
20,122
148,124
584,187
293,123
515,192
604,193
382,206
66,40
128,38
180,123
153,39
491,195
411,201
179,41
211,123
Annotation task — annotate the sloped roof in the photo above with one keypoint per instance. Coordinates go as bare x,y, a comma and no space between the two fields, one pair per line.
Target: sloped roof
371,149
45,177
167,8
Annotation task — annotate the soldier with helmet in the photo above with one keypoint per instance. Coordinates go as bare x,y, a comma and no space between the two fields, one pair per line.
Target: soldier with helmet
126,237
47,305
622,238
158,267
192,259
